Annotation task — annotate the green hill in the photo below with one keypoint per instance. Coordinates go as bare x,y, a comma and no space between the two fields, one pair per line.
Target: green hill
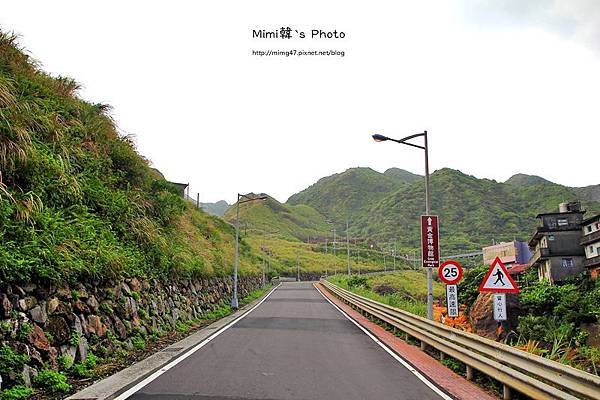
473,211
591,192
344,195
217,208
293,222
402,175
526,180
77,202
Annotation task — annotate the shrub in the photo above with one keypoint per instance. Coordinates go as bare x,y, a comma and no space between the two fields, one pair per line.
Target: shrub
18,392
52,381
357,280
84,369
383,289
25,330
75,338
106,308
138,343
9,361
65,362
455,365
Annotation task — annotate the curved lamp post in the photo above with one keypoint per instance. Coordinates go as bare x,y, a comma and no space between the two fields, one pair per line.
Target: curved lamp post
382,138
234,298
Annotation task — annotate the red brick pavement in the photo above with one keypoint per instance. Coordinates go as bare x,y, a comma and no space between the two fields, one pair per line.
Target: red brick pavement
452,383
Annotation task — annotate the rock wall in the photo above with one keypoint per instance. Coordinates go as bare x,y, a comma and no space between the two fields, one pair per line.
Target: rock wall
481,316
46,323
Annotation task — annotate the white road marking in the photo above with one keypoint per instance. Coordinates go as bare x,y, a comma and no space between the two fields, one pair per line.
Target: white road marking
409,367
173,363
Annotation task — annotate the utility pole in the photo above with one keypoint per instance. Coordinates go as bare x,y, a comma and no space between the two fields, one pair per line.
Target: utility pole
384,264
348,248
234,298
198,200
298,267
326,259
334,253
394,255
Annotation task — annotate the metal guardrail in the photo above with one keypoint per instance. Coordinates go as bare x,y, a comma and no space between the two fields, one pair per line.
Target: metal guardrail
534,376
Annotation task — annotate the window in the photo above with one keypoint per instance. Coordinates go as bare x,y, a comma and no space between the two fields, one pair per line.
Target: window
588,228
551,238
567,262
562,222
591,248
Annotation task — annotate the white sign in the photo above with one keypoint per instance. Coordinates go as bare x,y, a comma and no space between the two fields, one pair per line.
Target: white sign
500,306
452,300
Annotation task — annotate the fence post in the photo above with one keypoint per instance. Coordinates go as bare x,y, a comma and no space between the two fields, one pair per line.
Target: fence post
469,373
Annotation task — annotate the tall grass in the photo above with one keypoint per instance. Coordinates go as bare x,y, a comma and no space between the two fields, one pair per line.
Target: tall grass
397,300
77,202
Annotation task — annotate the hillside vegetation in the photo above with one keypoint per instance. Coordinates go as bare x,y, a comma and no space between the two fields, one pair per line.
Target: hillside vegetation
77,202
340,196
293,222
473,212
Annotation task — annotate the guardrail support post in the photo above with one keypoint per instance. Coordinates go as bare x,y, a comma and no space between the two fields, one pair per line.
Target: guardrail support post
423,346
469,373
442,356
506,392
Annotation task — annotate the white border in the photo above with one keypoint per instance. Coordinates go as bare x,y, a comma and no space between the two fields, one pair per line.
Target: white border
409,367
129,392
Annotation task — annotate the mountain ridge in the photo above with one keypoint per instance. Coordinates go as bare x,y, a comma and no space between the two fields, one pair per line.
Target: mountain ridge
473,211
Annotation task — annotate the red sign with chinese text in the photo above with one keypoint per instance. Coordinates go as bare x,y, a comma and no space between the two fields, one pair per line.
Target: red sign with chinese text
430,241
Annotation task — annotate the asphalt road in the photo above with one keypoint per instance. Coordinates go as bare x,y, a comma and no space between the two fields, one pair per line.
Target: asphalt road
295,345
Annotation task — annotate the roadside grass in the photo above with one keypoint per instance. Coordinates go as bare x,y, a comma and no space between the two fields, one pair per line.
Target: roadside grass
406,282
287,253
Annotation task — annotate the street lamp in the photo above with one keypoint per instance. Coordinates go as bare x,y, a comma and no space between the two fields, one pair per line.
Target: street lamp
234,298
382,138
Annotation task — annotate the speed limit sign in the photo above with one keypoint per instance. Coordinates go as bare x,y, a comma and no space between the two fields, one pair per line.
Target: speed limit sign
450,272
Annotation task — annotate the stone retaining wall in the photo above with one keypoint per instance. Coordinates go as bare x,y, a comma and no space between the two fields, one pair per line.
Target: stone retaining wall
46,323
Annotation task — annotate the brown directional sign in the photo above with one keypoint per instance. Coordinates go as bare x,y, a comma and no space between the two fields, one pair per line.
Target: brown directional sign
430,240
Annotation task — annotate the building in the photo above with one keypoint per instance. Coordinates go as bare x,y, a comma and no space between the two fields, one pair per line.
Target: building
510,253
182,187
556,243
590,240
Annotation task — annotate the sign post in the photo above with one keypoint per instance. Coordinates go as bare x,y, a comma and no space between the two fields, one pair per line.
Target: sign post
498,281
450,272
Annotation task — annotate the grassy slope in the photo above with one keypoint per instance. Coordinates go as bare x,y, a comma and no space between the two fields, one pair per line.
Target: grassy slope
78,202
290,222
411,289
311,257
347,194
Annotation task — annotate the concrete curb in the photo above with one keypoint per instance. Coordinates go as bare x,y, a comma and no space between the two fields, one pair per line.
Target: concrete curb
112,386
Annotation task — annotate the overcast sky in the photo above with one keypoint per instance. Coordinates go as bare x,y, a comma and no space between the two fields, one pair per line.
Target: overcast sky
501,86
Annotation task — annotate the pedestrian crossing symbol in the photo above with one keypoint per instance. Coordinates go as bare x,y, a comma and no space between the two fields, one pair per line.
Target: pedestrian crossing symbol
498,280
